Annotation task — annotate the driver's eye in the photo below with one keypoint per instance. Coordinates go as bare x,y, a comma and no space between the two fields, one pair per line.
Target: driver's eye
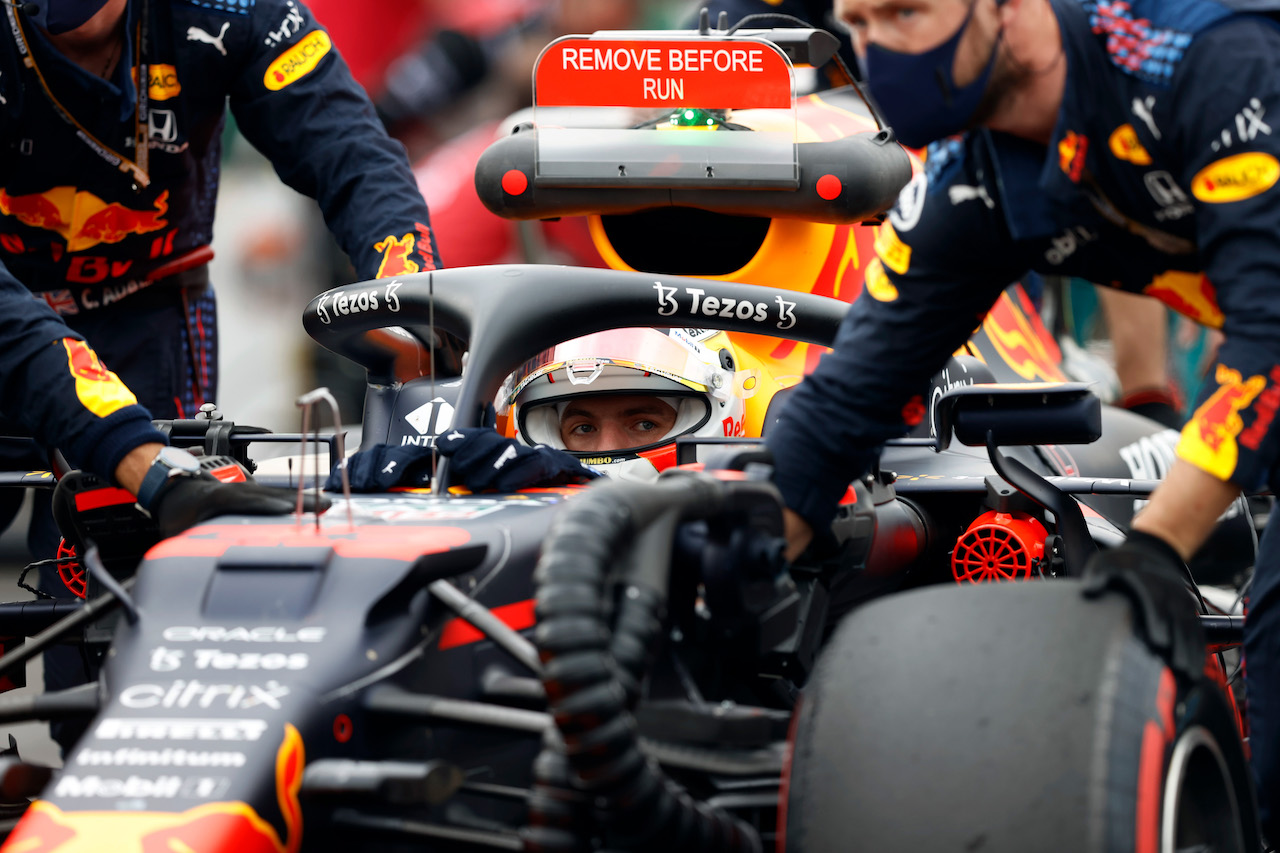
581,429
645,426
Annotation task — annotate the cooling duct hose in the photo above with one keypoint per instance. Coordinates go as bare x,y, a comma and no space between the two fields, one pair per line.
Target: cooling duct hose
593,765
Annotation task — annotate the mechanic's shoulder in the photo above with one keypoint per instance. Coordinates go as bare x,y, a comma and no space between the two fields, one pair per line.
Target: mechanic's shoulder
1244,48
1234,41
949,206
213,11
214,29
247,26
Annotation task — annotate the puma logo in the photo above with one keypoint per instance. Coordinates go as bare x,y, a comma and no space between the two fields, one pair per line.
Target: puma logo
197,34
961,193
507,456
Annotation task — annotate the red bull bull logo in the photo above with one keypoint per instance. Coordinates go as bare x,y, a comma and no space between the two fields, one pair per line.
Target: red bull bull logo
397,255
1209,438
223,827
1265,408
1190,294
99,390
83,219
210,828
39,210
1072,149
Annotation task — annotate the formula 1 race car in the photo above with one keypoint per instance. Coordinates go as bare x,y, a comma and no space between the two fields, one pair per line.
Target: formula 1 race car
633,665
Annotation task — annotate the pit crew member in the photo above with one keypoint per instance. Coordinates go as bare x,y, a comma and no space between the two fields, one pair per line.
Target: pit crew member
108,187
1128,143
54,384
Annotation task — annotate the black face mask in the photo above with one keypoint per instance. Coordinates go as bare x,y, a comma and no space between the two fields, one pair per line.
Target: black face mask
917,93
59,16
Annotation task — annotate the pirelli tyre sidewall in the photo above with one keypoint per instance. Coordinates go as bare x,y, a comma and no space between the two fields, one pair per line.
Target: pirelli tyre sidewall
1011,717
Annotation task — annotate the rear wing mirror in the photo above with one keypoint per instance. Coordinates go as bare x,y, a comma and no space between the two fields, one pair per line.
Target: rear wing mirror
1033,413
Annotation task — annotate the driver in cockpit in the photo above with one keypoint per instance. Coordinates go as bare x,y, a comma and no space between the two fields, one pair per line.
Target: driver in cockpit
612,403
618,400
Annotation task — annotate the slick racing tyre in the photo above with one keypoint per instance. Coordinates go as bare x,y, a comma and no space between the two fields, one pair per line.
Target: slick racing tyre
1008,719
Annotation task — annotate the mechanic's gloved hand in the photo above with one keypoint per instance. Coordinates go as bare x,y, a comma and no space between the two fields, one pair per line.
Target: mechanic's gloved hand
483,460
186,501
1152,575
383,466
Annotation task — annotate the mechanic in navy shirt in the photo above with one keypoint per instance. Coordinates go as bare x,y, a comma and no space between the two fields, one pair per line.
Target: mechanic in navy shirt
111,117
1128,143
107,186
54,384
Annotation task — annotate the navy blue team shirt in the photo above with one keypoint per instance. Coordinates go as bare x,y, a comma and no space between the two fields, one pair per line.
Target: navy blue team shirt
81,232
1161,177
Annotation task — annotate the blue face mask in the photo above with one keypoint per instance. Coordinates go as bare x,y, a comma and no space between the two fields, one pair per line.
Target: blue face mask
917,94
59,16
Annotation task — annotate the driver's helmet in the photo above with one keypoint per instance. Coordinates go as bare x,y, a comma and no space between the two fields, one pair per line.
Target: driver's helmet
694,371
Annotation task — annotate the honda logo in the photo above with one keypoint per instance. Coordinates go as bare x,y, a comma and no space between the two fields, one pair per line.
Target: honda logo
162,125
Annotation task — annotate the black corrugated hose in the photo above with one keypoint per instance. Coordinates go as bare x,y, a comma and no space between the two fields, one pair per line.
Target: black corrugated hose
617,536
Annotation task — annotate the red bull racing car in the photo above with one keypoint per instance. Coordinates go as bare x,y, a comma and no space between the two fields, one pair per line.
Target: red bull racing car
632,665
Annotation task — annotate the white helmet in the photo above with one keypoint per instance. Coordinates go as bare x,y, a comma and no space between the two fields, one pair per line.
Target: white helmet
694,371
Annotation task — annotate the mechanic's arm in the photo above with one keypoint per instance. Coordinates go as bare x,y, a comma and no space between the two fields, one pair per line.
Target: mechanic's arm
1185,508
298,104
1138,328
1232,440
54,385
923,297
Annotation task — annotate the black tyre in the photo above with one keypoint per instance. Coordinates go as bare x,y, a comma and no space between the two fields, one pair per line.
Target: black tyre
1014,717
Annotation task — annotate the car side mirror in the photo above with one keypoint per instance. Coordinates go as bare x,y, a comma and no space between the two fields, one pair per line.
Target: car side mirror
1032,413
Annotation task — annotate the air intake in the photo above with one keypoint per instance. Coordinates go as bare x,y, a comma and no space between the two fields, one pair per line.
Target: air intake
999,546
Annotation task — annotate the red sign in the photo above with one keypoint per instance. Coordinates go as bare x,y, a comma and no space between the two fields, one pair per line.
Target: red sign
705,73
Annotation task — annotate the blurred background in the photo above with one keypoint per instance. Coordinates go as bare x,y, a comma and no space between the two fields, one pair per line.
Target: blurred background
442,74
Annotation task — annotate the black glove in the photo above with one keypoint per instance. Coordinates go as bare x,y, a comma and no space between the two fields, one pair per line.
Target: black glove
186,501
1153,576
483,460
383,466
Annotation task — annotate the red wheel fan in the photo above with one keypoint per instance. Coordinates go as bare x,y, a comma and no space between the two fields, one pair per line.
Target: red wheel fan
999,546
72,571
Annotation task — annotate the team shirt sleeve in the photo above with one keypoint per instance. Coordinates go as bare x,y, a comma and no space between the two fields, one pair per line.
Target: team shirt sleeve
1225,130
53,384
940,266
296,101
